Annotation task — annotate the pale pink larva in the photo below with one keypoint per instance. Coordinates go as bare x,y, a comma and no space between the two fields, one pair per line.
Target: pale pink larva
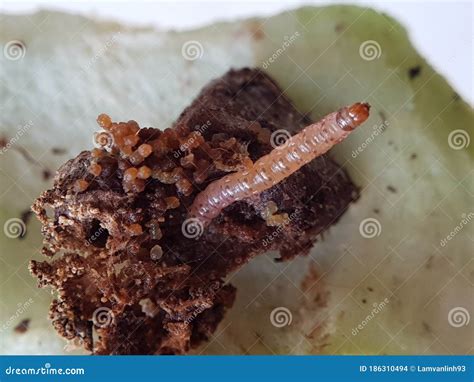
313,141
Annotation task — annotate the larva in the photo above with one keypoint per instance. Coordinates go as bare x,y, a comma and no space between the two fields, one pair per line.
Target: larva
313,141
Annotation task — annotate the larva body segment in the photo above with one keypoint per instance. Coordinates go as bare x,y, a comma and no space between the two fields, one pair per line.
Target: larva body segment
313,141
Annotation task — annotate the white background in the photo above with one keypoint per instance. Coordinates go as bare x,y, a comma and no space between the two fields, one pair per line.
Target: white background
441,30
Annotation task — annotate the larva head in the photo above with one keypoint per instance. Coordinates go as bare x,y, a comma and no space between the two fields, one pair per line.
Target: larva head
351,117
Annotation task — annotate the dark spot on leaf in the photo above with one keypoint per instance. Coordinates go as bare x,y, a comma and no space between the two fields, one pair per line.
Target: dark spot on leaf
370,289
429,263
364,301
256,31
26,215
426,327
20,44
58,151
339,27
23,326
413,156
3,142
392,189
414,72
46,174
258,35
25,218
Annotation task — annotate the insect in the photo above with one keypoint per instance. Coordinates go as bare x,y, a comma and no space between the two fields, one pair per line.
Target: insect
300,149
